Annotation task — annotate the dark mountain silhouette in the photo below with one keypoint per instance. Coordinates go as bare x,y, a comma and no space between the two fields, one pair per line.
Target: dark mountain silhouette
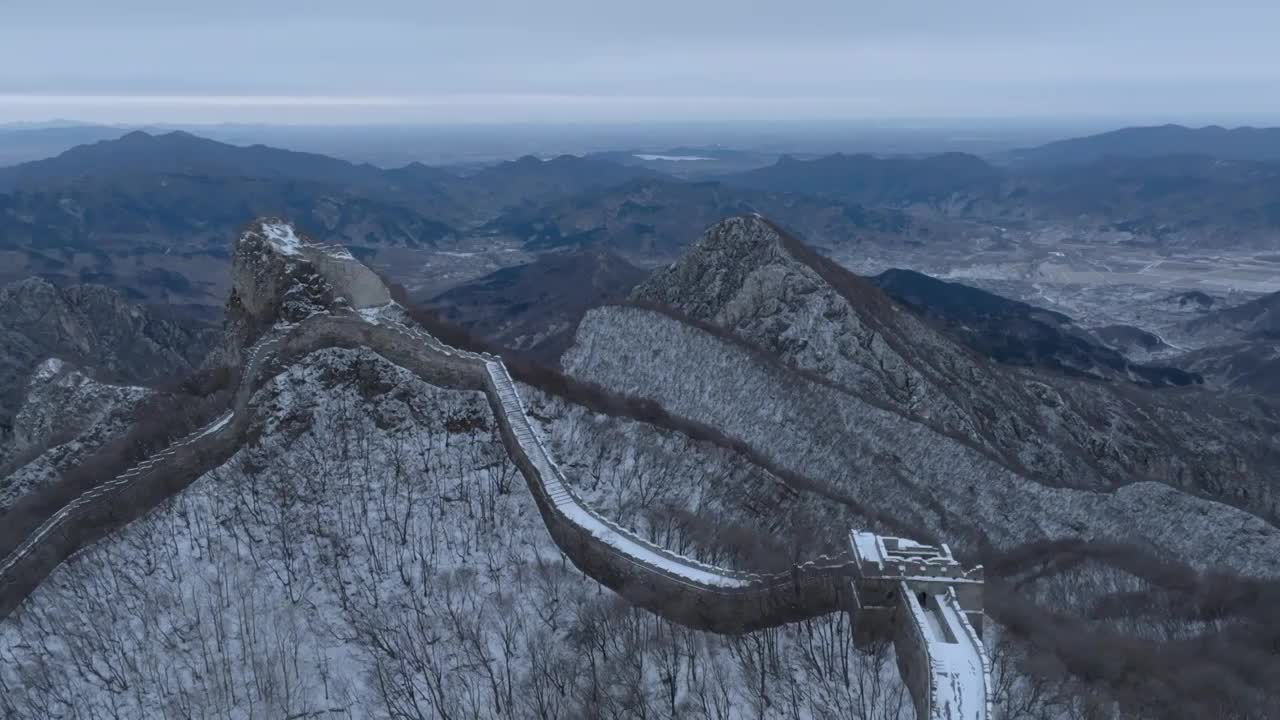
24,144
1016,333
651,221
1190,198
871,180
1167,200
1244,144
536,307
1256,318
179,153
531,180
149,213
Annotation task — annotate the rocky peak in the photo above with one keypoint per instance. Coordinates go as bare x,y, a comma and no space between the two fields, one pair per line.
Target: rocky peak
757,283
723,272
748,276
272,281
279,275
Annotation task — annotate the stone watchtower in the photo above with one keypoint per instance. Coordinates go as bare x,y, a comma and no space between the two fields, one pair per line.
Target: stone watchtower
921,596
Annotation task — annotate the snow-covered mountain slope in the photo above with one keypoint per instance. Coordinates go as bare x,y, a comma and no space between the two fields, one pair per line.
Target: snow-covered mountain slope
65,417
377,554
752,282
884,460
695,497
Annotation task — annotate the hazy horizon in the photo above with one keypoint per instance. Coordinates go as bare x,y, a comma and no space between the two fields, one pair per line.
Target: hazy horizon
569,61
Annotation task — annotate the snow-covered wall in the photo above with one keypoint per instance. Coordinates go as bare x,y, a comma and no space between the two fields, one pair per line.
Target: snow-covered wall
680,588
941,658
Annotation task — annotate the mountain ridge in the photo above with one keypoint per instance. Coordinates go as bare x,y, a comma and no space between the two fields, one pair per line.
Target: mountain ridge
869,180
751,278
91,326
1017,333
1240,143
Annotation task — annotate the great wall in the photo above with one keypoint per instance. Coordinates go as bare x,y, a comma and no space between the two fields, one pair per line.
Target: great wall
917,594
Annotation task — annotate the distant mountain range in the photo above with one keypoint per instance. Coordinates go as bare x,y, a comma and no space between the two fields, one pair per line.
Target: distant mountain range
1167,200
530,180
1244,144
870,180
149,213
19,143
180,153
652,221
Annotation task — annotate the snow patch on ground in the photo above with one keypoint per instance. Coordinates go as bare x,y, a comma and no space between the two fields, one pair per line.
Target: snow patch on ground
283,238
47,369
339,253
380,314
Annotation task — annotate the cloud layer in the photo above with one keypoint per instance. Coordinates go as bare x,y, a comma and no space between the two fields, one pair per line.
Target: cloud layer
508,60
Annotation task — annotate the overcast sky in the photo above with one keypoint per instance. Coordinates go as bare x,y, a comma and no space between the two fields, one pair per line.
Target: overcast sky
641,60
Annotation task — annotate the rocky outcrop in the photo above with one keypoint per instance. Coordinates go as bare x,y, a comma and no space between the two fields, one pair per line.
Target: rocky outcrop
271,282
741,277
280,276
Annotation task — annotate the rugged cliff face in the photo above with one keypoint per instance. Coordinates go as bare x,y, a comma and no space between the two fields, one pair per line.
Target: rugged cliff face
90,326
1072,489
271,282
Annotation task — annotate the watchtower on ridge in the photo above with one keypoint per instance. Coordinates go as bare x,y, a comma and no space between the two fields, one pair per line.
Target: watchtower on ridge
932,607
883,563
